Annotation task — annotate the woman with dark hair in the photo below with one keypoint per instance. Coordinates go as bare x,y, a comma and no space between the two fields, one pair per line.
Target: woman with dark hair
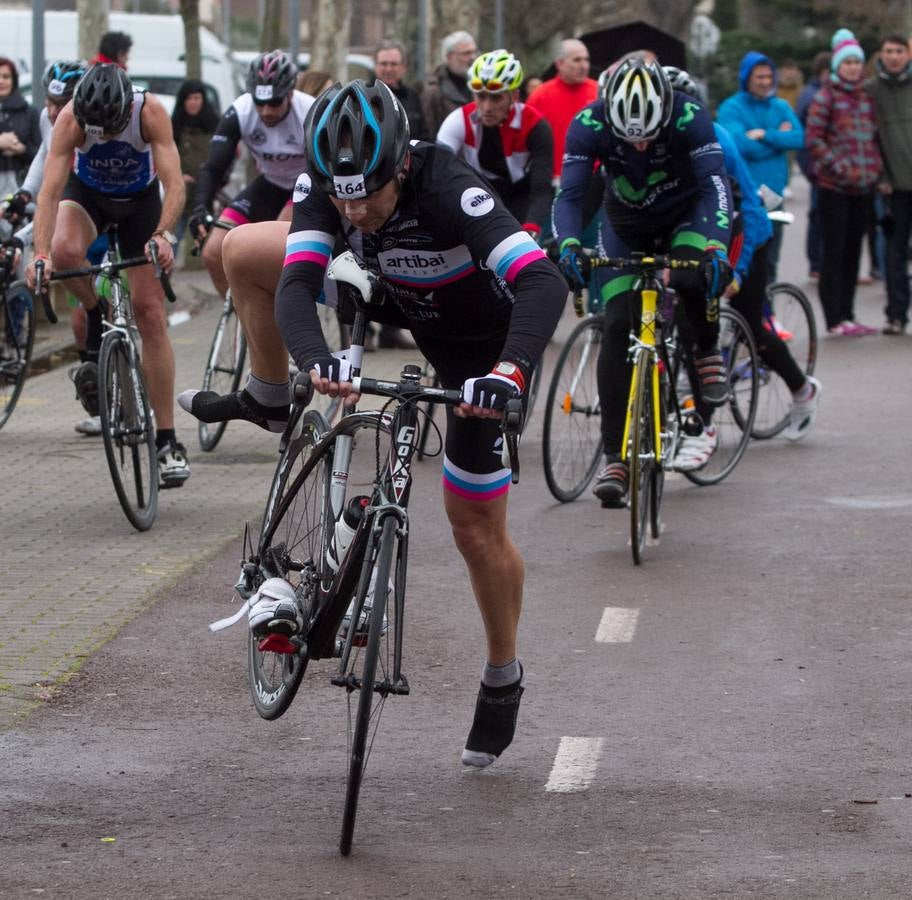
20,135
194,121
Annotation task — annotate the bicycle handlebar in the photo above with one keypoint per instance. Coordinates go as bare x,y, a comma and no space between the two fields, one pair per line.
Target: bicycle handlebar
643,263
41,291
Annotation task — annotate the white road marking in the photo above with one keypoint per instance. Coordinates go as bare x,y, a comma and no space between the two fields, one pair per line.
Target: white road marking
575,764
872,502
617,626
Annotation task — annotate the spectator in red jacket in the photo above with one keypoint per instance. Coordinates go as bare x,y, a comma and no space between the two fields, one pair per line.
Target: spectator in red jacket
841,137
114,47
560,98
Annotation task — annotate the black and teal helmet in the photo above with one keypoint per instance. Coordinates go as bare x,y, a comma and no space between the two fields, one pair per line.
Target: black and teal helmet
356,138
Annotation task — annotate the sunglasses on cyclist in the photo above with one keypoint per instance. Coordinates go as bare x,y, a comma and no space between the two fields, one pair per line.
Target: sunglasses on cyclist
476,84
271,103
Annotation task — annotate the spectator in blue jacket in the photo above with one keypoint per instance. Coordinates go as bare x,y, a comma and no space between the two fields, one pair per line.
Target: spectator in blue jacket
765,128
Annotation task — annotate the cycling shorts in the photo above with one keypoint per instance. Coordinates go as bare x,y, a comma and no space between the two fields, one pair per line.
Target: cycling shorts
136,215
260,201
472,467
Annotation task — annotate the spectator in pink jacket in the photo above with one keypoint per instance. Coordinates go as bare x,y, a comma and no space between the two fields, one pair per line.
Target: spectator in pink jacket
841,137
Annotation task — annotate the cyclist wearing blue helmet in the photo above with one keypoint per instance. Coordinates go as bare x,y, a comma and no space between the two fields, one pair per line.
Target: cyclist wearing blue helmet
481,300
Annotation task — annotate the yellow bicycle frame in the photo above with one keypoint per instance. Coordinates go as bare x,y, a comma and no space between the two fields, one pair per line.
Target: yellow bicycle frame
645,344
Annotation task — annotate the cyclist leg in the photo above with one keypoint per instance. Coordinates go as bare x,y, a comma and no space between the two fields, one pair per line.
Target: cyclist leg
475,492
76,228
619,301
253,258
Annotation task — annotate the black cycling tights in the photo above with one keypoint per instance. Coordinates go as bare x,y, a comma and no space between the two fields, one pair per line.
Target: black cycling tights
749,301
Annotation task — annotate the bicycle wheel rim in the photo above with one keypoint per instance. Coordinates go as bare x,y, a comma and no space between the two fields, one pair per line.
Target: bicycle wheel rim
735,418
572,428
642,455
376,669
657,488
128,432
791,314
224,369
296,550
17,337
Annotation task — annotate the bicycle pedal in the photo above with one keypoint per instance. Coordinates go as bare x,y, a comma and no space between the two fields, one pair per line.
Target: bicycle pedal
276,643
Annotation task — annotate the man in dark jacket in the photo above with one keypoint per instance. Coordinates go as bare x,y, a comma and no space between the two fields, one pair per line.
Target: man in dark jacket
390,65
891,89
20,134
447,88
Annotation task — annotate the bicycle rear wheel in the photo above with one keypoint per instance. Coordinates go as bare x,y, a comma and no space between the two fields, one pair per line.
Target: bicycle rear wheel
127,430
641,457
294,538
224,369
790,315
17,336
572,429
374,673
735,419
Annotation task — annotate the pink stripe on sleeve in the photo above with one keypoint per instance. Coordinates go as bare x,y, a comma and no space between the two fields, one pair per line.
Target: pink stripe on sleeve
522,262
307,256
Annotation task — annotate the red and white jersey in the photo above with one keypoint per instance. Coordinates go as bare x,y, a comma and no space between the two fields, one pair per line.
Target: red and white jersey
462,129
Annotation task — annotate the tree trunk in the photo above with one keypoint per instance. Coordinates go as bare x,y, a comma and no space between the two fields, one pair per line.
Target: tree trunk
271,27
330,37
448,16
93,23
189,10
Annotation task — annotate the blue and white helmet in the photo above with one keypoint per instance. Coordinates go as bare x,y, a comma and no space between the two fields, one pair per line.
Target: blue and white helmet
60,79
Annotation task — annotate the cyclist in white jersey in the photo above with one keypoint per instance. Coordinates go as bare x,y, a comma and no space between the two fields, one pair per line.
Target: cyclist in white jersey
269,120
109,149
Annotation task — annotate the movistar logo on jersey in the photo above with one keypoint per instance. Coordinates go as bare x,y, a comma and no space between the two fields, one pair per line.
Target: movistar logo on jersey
585,116
687,116
626,191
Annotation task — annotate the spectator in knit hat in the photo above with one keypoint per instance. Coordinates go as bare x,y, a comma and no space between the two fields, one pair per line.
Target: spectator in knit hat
841,137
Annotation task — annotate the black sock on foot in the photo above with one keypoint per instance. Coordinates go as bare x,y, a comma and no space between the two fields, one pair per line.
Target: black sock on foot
164,436
208,406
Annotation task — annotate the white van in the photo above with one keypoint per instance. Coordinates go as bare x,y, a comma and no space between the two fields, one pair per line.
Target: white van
156,59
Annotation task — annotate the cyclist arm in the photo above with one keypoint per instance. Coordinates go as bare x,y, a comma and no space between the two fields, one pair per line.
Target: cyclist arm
308,249
499,242
708,167
156,126
65,138
222,151
757,228
452,131
540,142
580,156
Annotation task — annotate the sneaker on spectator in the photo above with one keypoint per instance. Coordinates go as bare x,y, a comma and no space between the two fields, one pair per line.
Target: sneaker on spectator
696,450
803,412
90,426
173,467
611,484
494,724
713,378
894,326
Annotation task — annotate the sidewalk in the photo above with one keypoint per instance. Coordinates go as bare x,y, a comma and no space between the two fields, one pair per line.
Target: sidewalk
73,569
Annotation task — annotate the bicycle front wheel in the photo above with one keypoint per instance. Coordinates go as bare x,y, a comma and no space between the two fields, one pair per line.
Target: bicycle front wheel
17,336
127,430
788,314
534,391
734,420
641,457
295,536
572,429
372,675
224,369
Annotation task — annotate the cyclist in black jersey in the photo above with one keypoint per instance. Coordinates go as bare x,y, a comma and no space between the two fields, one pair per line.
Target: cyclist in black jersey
665,182
481,299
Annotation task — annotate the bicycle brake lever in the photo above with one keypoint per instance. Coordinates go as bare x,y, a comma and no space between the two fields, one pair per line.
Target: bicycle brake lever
42,291
512,429
302,389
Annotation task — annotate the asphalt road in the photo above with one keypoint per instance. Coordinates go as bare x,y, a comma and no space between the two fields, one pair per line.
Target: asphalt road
728,720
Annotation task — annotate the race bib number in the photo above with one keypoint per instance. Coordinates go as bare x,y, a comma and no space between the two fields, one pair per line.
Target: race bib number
349,187
262,92
94,130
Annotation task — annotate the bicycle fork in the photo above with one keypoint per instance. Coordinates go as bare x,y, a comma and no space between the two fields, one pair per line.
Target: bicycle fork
645,343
